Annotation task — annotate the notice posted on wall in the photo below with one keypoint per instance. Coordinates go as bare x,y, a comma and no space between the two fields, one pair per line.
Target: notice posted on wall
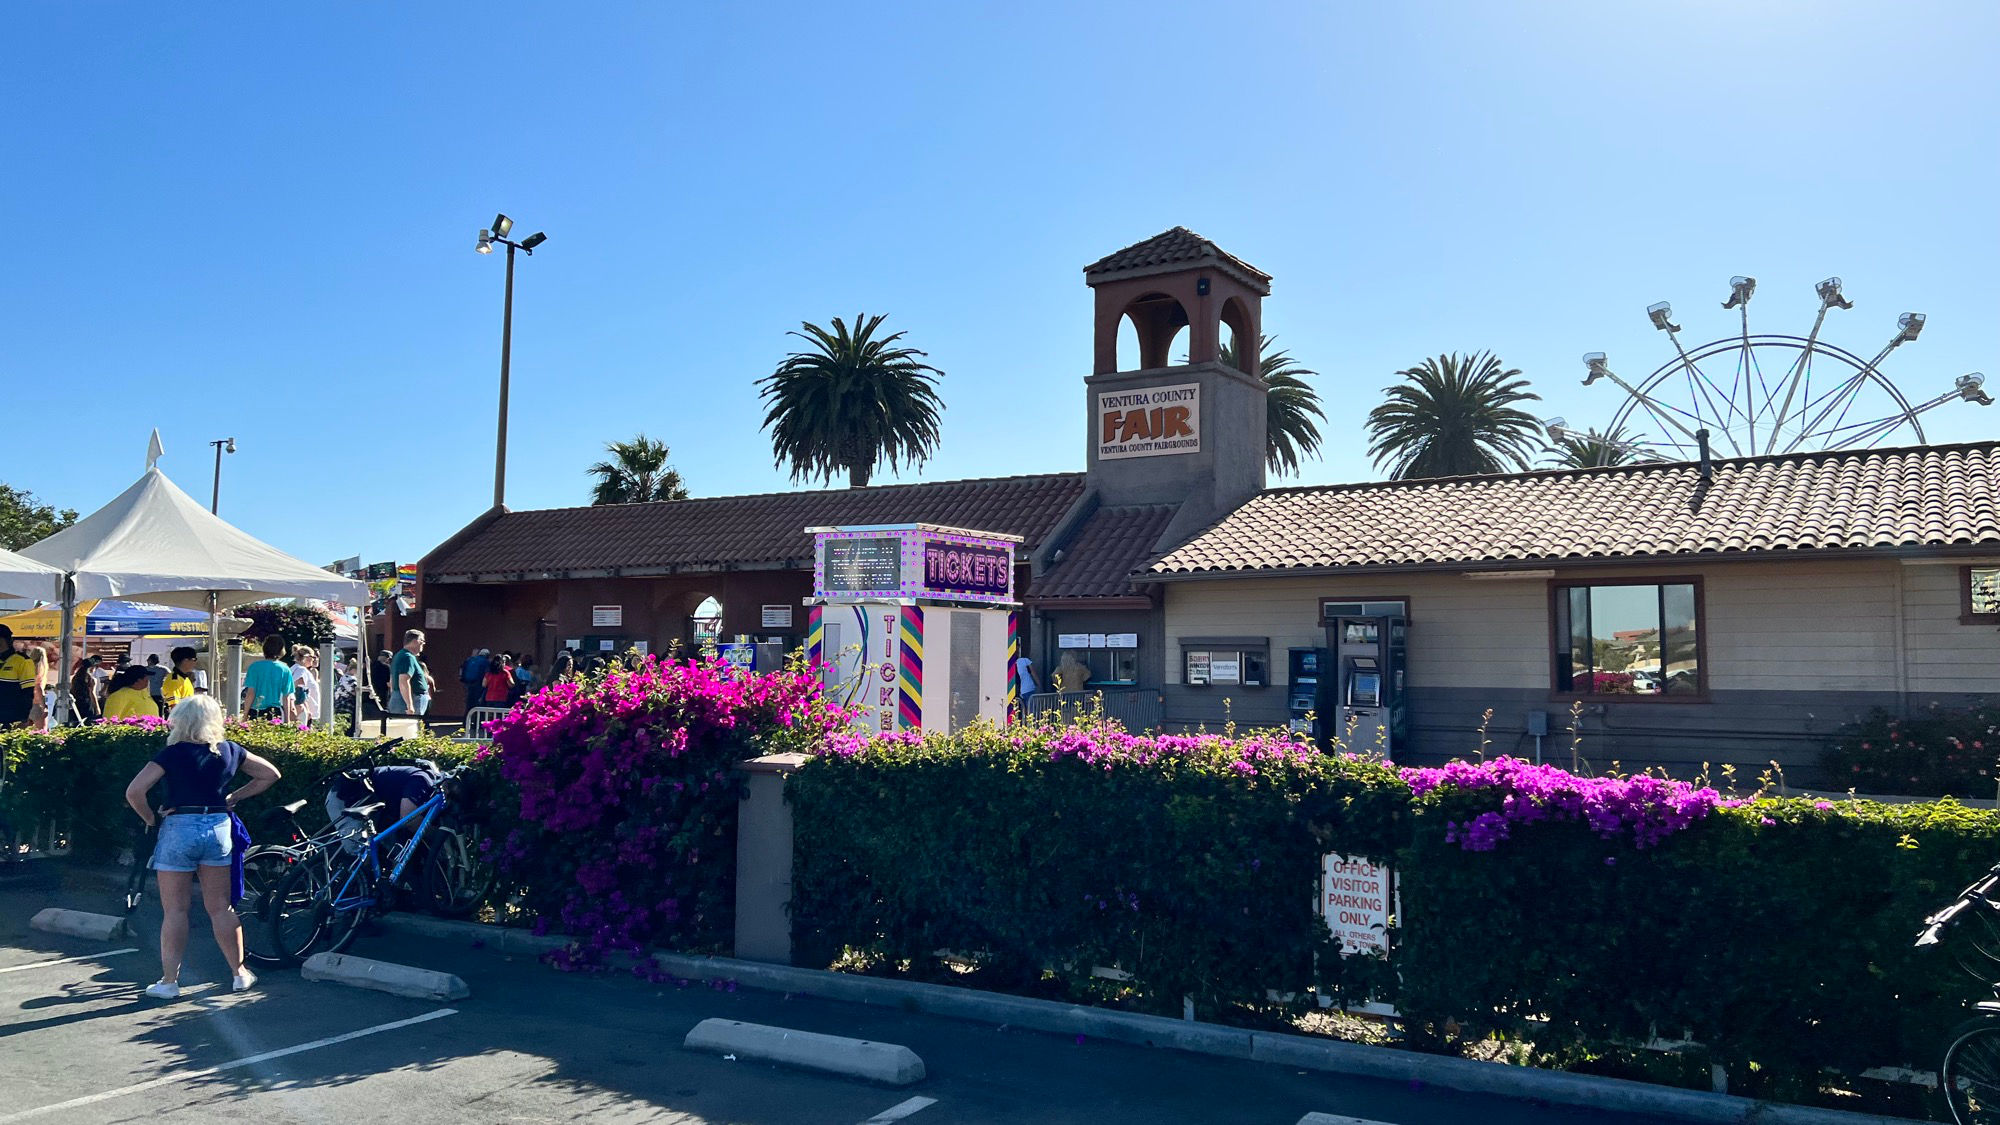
1357,896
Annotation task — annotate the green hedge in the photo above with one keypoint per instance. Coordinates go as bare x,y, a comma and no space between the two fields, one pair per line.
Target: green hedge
76,777
1777,933
1186,872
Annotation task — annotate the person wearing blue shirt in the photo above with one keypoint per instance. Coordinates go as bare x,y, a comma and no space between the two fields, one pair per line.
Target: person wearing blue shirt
409,680
267,684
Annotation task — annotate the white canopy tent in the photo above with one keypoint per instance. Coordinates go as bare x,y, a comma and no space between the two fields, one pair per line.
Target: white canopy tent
157,542
23,577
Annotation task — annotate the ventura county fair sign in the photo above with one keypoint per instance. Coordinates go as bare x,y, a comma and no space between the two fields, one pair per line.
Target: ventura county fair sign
1153,422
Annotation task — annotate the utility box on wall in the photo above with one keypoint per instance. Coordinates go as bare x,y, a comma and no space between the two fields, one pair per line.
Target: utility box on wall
914,625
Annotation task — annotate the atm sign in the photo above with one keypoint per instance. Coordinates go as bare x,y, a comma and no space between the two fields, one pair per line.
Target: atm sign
1150,422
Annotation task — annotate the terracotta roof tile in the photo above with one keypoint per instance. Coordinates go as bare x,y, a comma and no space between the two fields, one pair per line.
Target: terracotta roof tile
1098,562
722,532
1175,247
1930,496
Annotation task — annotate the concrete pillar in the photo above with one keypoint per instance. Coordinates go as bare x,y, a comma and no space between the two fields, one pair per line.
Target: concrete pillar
764,861
231,688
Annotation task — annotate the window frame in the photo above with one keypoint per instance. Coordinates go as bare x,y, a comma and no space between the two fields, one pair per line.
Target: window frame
1558,588
1965,614
1244,648
1325,599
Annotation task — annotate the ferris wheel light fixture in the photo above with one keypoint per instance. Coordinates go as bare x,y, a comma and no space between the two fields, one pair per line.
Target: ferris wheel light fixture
1829,295
1740,289
1662,315
1908,326
1968,387
1557,428
1598,366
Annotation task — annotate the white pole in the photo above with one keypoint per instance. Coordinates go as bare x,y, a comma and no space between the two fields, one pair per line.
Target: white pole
327,686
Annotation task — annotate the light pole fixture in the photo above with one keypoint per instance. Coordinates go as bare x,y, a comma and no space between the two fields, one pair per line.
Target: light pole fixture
498,232
222,446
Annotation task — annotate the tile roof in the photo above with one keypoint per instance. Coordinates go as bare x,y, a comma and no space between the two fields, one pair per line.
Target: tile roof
1170,248
721,532
1932,496
1099,560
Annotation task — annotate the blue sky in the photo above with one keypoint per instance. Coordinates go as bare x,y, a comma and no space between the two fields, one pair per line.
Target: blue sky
258,221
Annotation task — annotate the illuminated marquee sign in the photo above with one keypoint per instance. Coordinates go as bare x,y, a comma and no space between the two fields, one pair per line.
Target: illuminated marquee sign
913,561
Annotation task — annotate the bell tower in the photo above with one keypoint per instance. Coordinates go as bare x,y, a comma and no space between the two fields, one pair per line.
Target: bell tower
1191,433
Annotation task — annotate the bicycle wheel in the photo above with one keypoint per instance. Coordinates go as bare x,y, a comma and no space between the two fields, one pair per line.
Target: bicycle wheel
456,880
1970,1073
263,868
300,915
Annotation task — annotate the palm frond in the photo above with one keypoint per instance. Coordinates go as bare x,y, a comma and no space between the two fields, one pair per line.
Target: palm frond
1455,416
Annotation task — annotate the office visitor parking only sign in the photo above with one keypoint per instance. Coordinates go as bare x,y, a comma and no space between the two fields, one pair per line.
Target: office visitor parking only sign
1357,896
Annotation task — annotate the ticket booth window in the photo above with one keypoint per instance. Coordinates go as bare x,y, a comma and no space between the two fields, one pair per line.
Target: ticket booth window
1095,660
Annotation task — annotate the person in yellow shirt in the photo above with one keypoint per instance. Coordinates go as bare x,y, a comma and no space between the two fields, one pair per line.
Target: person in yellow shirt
20,688
129,698
179,681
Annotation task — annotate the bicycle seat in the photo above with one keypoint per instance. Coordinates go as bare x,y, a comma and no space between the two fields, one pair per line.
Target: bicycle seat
293,808
369,809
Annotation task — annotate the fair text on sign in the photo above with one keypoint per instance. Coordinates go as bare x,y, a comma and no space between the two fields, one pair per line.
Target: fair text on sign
1149,422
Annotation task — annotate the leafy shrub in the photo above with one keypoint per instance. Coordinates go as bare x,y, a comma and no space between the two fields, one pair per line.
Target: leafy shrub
1774,931
297,624
616,801
1187,862
76,777
1937,753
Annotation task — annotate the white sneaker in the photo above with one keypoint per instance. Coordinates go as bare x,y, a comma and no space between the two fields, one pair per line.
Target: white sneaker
164,990
243,979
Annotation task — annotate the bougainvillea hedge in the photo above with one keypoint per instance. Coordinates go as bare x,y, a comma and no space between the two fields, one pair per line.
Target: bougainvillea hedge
1187,862
614,812
76,776
1775,931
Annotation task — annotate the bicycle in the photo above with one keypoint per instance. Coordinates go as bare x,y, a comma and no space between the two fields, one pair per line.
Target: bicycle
320,902
1969,1073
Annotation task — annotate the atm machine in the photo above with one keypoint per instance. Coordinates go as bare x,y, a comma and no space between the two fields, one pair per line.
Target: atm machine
1366,696
1302,699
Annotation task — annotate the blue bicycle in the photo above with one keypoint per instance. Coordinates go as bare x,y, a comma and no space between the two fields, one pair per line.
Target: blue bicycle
338,879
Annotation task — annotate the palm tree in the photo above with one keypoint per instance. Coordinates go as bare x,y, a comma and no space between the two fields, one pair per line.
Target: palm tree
849,401
1455,417
1592,449
637,472
1291,406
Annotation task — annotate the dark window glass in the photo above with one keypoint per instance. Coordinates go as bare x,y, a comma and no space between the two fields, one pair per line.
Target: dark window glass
1619,639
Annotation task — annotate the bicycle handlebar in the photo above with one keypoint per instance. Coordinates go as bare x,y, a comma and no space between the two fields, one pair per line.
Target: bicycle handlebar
1978,893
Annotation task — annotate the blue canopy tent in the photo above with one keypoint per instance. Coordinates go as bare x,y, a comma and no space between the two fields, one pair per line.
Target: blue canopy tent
111,618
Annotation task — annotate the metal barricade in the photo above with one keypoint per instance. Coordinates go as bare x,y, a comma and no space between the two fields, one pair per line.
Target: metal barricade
1136,709
476,720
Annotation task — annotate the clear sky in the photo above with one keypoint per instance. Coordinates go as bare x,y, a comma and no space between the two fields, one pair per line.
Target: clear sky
258,221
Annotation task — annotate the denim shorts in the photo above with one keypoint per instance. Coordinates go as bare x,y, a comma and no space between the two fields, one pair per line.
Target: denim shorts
191,839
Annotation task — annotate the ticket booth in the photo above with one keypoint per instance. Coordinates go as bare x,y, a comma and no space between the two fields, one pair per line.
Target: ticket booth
914,625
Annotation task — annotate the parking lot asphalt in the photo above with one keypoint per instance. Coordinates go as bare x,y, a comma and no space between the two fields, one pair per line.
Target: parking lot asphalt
535,1045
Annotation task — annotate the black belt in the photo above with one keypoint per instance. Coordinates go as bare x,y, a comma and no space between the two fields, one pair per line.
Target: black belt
196,809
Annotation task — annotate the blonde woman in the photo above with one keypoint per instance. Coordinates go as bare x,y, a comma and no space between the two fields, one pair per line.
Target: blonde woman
38,711
196,834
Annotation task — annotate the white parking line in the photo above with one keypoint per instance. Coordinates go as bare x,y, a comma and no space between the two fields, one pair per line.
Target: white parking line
233,1064
894,1113
66,960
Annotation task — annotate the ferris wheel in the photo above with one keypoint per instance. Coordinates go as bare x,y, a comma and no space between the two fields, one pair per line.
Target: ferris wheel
1749,395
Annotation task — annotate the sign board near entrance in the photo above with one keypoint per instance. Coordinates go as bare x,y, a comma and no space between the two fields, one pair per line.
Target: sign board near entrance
1355,896
607,616
777,617
1149,422
914,562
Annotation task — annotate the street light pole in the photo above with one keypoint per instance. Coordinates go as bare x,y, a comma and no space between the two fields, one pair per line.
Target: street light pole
225,445
506,355
502,226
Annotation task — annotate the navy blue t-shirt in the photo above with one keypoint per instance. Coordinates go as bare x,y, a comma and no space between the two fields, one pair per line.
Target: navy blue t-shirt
197,774
393,784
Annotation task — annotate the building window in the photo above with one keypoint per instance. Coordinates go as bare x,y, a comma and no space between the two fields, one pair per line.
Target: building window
1080,666
1978,595
1629,639
1225,661
1330,608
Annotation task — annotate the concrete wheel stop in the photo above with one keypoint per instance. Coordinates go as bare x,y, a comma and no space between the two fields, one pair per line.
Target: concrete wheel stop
384,976
887,1063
